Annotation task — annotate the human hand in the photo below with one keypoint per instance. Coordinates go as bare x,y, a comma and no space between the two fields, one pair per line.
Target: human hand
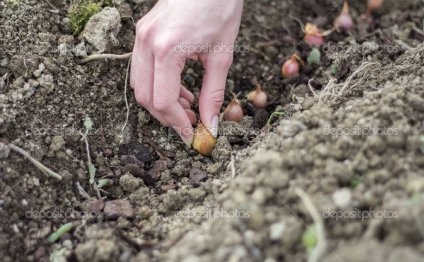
172,32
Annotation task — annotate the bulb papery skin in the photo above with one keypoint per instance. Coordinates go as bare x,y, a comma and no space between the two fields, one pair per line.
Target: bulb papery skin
373,5
258,98
314,40
345,22
290,68
233,112
203,142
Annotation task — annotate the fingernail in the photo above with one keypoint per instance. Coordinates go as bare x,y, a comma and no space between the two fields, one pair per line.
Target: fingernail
214,126
187,141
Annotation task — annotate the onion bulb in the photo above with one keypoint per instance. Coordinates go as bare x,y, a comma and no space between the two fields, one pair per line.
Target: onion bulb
233,112
258,97
344,21
203,142
373,5
291,67
313,36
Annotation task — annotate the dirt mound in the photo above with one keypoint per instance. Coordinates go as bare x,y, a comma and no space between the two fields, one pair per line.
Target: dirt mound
352,139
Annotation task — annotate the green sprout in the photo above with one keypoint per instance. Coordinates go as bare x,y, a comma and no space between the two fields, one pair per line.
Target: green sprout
60,232
422,144
13,2
355,181
309,238
334,69
274,114
314,57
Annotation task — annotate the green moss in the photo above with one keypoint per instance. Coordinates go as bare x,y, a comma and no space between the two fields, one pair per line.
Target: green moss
13,2
80,12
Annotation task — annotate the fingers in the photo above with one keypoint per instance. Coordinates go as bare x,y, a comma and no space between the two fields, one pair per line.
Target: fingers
186,94
173,111
213,89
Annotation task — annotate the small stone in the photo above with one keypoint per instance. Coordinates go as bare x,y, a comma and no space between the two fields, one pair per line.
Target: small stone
197,176
4,151
102,28
133,170
277,230
80,50
37,73
57,143
260,118
222,149
129,183
143,117
47,82
97,205
118,208
154,173
342,197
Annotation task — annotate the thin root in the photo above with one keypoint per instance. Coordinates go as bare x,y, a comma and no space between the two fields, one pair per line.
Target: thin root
105,56
126,100
38,164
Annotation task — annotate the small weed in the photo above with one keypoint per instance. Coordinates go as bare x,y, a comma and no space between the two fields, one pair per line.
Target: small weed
355,181
13,2
81,11
60,232
314,57
309,238
422,144
335,68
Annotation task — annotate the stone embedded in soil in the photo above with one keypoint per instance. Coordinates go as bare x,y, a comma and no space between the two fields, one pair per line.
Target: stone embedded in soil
222,151
97,205
197,176
57,143
136,149
133,169
97,250
118,208
129,183
102,28
154,173
260,118
4,151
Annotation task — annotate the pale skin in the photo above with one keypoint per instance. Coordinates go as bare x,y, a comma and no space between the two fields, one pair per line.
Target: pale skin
158,60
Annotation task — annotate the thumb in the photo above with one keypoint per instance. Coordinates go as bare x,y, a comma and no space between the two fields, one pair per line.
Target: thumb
213,90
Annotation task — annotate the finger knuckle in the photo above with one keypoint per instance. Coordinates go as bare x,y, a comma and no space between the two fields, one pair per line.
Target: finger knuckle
141,99
143,33
225,61
215,97
164,46
161,105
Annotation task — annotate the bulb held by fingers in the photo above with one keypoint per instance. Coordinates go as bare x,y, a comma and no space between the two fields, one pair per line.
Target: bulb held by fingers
203,142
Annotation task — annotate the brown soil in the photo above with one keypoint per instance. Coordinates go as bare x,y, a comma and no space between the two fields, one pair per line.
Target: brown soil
359,151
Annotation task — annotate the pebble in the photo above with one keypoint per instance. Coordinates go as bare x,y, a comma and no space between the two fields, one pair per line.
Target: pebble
57,143
118,208
277,230
4,151
197,176
342,197
129,183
